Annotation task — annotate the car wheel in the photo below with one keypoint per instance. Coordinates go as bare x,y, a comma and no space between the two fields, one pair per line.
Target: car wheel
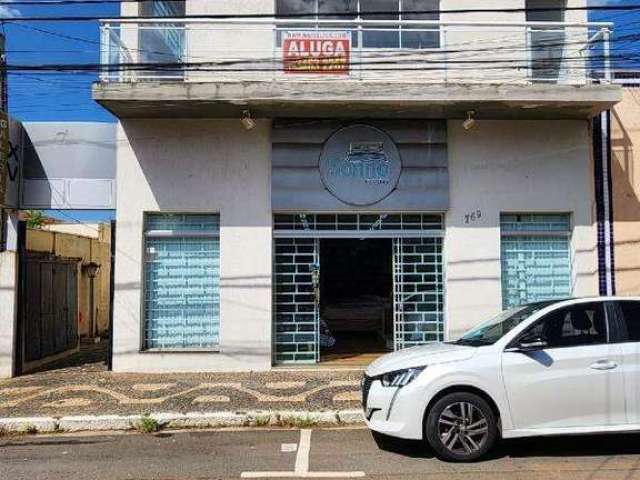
461,427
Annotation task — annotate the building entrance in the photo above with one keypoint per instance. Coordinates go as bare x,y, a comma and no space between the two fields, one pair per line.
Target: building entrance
348,287
356,299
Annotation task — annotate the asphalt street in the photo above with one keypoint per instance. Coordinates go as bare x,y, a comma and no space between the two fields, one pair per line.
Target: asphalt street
328,453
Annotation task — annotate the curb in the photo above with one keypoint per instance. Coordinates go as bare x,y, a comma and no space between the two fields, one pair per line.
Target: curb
161,420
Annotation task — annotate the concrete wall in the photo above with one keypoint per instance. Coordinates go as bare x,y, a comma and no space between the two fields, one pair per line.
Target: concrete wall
625,171
254,46
507,166
86,249
91,230
198,166
9,298
216,166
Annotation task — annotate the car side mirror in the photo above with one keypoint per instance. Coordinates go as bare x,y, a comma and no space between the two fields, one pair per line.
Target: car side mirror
529,343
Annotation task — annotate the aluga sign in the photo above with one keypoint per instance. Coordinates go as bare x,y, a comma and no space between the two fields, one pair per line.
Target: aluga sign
316,52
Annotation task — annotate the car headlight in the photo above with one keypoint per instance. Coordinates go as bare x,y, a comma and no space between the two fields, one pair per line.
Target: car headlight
400,378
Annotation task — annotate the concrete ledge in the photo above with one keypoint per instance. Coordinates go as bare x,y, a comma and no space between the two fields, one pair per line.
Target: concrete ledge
28,425
168,420
354,99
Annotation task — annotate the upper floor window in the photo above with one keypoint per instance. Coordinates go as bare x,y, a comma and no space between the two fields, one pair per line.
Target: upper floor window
384,36
546,43
163,8
545,10
162,43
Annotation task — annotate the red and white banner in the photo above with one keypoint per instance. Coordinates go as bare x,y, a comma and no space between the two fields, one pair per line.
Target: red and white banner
316,52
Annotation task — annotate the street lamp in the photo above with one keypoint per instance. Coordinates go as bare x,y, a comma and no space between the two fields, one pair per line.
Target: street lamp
91,269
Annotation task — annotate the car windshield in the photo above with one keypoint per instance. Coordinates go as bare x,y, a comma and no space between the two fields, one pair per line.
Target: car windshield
489,332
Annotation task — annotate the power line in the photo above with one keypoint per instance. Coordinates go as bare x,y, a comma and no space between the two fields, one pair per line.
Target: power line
316,15
93,2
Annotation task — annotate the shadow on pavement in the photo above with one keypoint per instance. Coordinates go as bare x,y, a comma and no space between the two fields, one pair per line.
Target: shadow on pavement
560,446
56,442
570,446
409,448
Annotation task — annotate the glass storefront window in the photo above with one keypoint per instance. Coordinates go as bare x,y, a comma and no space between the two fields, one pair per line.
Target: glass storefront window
181,281
535,258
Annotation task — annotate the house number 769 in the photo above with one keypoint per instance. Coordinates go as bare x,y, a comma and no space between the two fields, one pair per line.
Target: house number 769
473,216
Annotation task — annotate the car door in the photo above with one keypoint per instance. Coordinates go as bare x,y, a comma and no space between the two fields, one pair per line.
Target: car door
625,332
574,381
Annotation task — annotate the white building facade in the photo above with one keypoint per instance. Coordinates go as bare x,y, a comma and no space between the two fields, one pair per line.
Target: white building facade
305,181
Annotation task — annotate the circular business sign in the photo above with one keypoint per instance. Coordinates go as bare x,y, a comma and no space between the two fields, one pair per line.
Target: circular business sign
360,165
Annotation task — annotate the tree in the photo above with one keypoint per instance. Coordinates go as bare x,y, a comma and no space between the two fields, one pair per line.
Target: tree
35,219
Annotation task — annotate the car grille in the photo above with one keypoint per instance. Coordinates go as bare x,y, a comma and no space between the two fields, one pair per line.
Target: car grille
366,386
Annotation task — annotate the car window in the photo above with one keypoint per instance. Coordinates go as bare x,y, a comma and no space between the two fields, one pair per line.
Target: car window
489,332
576,325
630,313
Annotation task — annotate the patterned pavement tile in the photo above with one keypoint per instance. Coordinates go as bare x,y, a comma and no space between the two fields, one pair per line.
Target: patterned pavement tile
152,387
82,391
284,385
347,396
211,399
68,402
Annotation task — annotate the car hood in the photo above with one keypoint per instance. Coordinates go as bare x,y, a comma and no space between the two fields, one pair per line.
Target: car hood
419,357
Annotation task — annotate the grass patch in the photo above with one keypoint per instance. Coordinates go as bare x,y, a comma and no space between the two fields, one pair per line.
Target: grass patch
147,424
262,420
298,422
30,429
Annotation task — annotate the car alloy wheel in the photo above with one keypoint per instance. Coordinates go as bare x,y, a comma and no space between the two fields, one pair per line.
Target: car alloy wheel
463,428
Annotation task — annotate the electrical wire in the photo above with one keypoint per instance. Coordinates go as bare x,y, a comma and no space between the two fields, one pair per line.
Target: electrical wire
318,15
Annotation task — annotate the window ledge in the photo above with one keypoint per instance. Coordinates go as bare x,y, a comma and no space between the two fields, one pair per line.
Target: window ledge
181,350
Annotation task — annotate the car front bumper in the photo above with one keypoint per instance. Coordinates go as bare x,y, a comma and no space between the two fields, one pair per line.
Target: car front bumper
393,411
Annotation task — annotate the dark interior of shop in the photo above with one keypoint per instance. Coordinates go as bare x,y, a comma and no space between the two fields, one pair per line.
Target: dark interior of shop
356,299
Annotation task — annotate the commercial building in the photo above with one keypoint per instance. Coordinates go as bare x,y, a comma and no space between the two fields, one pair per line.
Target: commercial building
304,182
55,281
625,181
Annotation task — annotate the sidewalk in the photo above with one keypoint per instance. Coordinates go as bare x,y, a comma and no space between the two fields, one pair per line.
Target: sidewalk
92,391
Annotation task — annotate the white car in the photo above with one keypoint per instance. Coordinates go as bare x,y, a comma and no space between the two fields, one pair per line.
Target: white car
547,368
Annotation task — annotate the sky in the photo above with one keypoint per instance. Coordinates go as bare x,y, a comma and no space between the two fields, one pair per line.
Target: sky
62,97
46,96
67,97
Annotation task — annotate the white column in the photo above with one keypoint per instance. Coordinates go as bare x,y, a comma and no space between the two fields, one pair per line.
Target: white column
9,297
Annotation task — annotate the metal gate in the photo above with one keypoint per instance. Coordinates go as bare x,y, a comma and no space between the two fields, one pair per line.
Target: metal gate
418,283
296,312
418,290
49,308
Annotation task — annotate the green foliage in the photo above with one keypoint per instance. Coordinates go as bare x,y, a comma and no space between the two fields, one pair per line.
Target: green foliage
262,420
298,422
30,429
147,424
35,219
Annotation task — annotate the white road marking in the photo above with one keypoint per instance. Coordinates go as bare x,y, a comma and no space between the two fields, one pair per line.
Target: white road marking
304,449
288,447
303,475
301,469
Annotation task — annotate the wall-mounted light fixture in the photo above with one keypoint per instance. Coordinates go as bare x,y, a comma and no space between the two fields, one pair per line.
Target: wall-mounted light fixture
470,122
92,269
248,122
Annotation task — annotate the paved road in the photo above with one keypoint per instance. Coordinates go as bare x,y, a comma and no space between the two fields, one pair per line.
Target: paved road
348,453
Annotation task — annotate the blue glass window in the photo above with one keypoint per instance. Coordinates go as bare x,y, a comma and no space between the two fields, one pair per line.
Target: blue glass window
535,258
181,281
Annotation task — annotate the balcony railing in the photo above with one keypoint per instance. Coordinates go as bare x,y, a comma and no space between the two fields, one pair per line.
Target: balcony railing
202,50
